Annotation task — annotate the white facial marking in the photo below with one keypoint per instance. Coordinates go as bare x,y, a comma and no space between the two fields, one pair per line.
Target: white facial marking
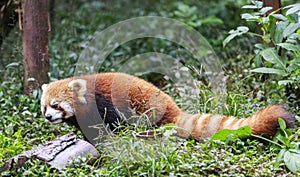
52,102
68,109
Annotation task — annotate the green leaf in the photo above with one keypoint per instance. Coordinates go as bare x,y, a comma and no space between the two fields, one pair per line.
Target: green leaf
228,39
246,16
284,82
242,29
169,126
267,38
290,29
271,56
260,46
224,134
265,10
233,33
297,118
280,156
257,60
293,9
289,46
242,132
282,124
250,7
279,17
212,20
293,67
284,140
14,64
296,61
291,160
258,4
250,17
272,26
269,71
278,34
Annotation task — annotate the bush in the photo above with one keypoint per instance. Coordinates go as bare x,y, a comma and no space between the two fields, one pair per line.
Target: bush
278,50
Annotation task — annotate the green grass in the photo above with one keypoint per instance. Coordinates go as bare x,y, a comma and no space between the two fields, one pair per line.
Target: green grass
22,126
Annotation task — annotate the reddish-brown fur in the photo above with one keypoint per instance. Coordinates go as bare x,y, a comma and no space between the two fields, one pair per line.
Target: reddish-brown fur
129,92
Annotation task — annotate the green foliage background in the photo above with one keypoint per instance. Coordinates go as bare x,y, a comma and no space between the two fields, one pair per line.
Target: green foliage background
76,22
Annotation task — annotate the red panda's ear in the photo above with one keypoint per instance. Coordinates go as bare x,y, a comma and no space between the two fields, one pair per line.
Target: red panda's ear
79,87
44,86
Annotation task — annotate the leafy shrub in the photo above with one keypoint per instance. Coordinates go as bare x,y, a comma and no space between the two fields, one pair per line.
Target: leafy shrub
278,51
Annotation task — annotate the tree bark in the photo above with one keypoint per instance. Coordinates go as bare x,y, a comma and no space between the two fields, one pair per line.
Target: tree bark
276,4
35,44
58,153
52,17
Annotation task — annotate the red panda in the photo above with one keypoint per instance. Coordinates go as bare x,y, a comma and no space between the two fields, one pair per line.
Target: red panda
117,95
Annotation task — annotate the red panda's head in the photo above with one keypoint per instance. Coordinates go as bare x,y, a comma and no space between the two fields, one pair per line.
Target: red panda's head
59,98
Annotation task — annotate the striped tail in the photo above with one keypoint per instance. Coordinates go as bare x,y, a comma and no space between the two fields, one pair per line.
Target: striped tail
205,125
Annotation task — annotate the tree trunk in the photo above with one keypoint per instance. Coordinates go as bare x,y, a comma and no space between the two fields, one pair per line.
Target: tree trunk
276,4
52,17
35,44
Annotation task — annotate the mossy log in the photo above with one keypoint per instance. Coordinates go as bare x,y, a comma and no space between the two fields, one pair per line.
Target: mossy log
58,153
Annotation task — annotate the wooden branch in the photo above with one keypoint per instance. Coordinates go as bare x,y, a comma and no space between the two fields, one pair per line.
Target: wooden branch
57,153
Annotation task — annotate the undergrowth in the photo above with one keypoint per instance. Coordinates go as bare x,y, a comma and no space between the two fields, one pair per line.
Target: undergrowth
22,126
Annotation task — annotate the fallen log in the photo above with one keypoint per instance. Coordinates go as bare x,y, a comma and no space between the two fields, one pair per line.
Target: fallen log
58,153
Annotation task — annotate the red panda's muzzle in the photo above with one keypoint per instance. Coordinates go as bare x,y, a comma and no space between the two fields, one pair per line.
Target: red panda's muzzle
58,112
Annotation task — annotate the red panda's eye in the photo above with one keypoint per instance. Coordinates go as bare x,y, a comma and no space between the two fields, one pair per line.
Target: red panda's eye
54,106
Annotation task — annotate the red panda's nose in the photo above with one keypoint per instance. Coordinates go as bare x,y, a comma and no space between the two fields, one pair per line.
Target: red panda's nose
48,116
